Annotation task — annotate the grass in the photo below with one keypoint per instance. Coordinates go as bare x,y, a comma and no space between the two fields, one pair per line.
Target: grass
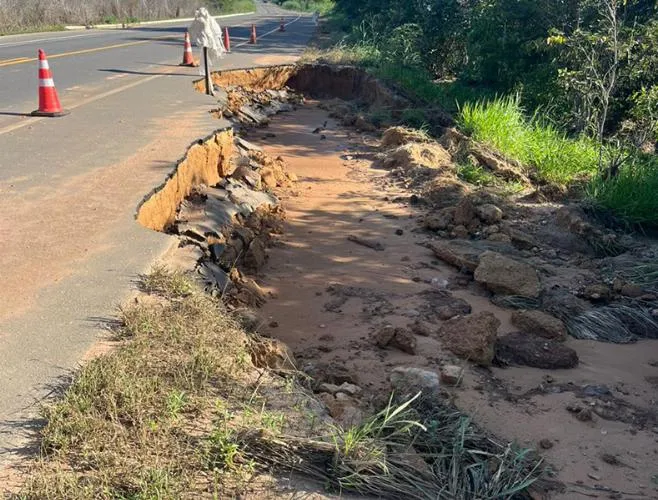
218,7
321,6
131,424
178,411
418,449
22,30
501,124
631,195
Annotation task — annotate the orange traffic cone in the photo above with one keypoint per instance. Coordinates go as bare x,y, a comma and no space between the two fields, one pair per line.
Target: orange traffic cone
48,100
227,40
253,37
282,26
188,59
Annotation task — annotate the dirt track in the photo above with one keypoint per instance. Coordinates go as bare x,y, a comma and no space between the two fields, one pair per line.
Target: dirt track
340,193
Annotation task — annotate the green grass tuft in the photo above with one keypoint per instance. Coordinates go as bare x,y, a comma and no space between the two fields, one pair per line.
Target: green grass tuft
633,194
501,124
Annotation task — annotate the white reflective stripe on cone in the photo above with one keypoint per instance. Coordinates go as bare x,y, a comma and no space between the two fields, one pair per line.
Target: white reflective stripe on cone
46,82
43,65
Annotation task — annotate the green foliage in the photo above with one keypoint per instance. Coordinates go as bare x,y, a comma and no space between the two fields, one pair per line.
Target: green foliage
414,117
232,6
501,124
321,6
631,195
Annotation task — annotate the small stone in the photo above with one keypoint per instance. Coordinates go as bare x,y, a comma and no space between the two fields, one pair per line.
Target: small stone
274,324
446,312
597,293
632,290
459,232
584,415
399,232
411,380
489,214
330,388
471,337
421,328
384,335
545,444
349,389
452,374
610,459
404,340
540,324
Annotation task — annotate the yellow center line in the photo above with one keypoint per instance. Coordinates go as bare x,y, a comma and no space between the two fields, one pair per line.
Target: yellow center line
24,60
15,60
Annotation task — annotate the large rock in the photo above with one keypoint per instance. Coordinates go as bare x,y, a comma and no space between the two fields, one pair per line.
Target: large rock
471,337
527,350
404,340
456,253
506,276
540,324
410,380
465,212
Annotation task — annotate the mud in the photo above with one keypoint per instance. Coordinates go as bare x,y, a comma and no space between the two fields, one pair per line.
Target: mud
332,297
314,80
381,256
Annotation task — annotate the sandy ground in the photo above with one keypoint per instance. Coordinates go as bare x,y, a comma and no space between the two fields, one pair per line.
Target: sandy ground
339,195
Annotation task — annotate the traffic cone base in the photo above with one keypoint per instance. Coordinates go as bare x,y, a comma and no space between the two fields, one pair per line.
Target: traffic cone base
51,114
48,99
188,59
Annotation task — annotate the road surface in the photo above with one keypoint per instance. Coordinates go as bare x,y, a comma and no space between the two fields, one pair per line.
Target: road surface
70,248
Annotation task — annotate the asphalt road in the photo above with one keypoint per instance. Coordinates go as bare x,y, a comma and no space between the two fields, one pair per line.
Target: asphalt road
94,61
70,248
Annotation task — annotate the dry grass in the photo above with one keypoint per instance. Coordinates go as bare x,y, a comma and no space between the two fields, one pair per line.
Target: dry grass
419,449
135,423
178,411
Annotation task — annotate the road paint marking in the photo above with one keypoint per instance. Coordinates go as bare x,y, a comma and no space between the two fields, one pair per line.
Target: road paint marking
89,51
24,60
16,59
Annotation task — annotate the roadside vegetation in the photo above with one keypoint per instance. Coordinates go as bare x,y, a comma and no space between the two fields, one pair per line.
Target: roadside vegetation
321,6
178,410
571,90
17,16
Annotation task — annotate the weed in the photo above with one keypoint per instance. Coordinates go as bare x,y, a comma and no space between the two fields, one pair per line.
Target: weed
475,174
453,458
161,281
415,118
